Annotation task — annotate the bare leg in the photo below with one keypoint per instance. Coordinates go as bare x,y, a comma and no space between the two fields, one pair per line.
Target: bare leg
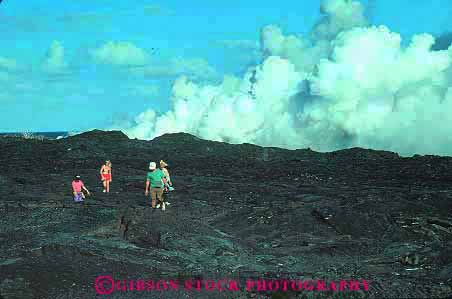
108,186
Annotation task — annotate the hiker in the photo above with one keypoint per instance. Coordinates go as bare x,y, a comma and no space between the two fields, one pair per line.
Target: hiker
155,179
168,184
77,187
105,175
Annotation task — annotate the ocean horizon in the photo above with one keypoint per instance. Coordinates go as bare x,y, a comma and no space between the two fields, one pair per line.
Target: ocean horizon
50,134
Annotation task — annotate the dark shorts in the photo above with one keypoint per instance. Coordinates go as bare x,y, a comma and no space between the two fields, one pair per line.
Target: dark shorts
78,197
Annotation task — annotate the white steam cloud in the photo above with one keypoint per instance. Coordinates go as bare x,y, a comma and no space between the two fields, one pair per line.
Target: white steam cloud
347,85
120,53
54,61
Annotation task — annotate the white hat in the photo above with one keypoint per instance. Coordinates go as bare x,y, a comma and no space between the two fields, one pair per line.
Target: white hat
152,166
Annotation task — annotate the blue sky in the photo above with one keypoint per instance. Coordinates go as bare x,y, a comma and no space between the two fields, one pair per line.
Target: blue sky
63,64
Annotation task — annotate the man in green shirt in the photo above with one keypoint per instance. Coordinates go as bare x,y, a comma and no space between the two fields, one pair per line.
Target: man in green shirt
155,179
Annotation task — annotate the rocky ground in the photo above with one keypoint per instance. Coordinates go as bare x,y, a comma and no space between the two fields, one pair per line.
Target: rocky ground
238,211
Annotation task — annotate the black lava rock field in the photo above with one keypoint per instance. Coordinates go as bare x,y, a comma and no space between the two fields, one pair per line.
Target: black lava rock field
244,221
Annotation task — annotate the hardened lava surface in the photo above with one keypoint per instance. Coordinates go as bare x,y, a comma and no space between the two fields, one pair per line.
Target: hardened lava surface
236,210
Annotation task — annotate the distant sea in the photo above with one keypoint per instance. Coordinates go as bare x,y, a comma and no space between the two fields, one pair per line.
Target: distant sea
49,135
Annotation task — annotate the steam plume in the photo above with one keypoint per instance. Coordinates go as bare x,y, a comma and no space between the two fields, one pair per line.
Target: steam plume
345,85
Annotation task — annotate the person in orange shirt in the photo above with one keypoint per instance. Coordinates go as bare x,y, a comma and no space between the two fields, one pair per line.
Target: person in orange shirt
105,175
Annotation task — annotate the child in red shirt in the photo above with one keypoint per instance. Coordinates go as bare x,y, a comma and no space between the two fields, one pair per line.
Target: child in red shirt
77,187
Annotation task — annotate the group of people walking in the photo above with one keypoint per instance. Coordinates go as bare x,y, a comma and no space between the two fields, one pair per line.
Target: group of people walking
158,181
